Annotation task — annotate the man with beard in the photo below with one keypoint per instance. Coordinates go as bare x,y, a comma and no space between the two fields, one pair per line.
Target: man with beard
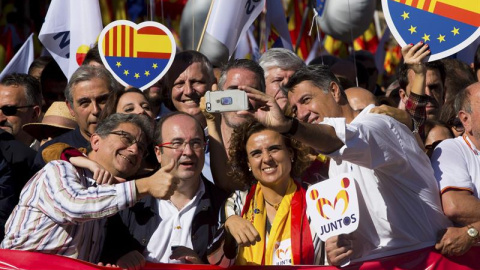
239,72
157,97
434,86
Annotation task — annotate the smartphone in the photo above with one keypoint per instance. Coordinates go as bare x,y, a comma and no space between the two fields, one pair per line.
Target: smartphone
229,100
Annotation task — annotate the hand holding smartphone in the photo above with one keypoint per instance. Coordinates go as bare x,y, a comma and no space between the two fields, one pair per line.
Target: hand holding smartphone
226,101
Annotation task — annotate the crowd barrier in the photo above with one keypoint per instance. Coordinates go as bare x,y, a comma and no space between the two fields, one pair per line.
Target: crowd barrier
420,259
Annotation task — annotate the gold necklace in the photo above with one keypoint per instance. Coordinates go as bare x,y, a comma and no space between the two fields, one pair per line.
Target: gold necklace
273,205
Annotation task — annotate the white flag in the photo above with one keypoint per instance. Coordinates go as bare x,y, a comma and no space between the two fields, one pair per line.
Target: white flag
71,27
247,47
21,60
227,21
277,32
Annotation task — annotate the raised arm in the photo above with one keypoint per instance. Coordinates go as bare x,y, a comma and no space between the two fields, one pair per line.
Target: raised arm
416,103
267,112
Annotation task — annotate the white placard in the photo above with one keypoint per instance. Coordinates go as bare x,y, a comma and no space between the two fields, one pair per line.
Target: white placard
332,206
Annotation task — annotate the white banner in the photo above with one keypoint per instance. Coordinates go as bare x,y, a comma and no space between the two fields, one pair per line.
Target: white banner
71,27
21,60
229,19
276,21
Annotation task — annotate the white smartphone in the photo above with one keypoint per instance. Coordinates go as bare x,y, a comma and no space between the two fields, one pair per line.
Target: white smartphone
226,101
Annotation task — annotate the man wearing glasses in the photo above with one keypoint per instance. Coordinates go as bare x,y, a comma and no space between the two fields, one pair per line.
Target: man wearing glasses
456,163
20,104
62,210
177,230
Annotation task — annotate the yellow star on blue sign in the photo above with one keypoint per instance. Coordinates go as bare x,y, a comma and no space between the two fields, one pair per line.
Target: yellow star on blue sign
426,37
441,38
455,31
412,29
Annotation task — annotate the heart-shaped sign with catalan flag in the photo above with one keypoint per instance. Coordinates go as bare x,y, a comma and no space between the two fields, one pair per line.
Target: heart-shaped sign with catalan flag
447,26
137,54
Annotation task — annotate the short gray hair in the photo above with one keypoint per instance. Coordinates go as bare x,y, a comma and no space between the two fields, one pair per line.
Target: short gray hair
110,123
462,100
282,58
86,73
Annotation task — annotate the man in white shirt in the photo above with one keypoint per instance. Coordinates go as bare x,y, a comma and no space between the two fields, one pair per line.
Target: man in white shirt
456,165
177,230
399,204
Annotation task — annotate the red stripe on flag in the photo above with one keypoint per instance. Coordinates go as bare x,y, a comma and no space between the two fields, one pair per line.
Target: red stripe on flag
458,14
426,5
414,3
131,42
153,55
150,30
403,1
122,45
115,41
107,44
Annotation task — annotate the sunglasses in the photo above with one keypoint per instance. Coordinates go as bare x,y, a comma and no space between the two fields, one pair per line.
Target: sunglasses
12,110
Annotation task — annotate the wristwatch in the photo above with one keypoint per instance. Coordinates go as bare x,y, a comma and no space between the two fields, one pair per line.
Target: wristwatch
472,232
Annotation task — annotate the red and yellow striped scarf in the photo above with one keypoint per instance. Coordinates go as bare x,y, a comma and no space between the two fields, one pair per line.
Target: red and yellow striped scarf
290,217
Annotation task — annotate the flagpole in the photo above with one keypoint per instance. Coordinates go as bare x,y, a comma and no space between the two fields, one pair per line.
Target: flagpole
151,11
205,26
302,27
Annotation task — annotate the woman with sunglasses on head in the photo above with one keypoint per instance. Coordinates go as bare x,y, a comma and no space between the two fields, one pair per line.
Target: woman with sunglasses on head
266,222
435,132
130,101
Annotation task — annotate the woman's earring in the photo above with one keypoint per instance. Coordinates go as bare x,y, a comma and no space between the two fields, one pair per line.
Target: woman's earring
291,159
249,169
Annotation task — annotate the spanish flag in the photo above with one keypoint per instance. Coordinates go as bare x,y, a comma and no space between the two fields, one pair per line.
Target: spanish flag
137,56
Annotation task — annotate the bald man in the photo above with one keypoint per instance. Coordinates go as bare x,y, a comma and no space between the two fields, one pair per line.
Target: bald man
360,98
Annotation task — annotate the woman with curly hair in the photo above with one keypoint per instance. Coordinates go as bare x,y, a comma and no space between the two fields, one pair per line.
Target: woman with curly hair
266,223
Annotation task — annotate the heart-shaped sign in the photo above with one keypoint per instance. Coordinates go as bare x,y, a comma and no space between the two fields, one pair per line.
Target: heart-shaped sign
447,26
137,54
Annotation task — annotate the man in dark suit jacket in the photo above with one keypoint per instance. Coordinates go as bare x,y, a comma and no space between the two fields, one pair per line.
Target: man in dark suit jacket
177,230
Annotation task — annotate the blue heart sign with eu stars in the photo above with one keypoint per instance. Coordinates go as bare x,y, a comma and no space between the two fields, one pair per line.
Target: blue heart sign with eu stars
137,54
447,26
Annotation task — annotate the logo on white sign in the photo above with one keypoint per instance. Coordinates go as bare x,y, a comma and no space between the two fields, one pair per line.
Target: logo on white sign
332,206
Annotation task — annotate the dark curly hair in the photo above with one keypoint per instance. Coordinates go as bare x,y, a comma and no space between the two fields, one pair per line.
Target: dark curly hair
238,153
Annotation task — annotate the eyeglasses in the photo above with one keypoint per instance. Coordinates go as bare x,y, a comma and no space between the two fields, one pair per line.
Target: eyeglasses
180,145
12,110
456,124
129,140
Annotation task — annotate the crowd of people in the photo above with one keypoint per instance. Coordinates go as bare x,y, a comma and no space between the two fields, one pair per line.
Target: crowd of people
117,176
